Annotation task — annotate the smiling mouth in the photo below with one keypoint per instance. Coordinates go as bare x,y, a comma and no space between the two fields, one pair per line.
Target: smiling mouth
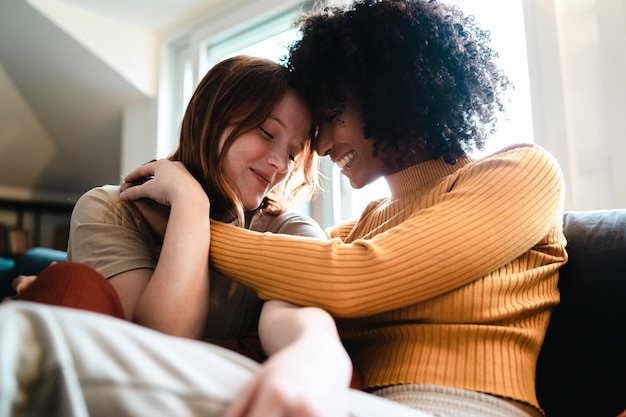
261,176
346,161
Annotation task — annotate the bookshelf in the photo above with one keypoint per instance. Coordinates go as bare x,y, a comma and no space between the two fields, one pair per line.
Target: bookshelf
26,223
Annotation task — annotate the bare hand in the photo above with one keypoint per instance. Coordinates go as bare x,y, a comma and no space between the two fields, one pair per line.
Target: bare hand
22,281
156,186
164,182
290,385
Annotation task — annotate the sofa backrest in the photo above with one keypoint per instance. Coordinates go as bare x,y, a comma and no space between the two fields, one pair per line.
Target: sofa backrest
582,365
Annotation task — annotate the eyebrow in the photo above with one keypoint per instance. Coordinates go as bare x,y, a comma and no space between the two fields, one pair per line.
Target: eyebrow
302,144
279,121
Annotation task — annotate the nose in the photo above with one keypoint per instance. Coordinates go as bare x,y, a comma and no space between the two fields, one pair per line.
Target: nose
324,143
279,159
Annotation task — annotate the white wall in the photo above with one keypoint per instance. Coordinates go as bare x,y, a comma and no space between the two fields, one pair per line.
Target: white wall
139,137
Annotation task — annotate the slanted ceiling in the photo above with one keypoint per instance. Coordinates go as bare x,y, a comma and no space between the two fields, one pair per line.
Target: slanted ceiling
66,76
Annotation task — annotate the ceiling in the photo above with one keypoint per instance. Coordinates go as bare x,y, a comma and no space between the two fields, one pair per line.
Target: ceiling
151,15
76,97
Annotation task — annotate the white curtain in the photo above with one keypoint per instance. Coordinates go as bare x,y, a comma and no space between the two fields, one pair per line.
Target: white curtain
577,67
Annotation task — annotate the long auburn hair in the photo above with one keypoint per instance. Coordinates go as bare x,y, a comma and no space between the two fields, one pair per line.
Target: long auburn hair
239,92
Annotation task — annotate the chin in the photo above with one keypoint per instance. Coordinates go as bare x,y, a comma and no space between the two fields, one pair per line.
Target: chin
252,205
356,185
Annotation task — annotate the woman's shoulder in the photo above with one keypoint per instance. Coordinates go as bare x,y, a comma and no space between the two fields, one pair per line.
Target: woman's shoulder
288,222
526,156
97,200
104,193
519,170
523,150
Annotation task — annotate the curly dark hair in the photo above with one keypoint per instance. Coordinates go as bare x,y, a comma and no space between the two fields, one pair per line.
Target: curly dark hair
422,71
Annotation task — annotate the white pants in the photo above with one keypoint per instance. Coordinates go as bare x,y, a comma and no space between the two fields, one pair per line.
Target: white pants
57,361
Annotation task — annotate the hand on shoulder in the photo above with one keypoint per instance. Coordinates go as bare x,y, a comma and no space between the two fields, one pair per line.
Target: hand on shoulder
163,181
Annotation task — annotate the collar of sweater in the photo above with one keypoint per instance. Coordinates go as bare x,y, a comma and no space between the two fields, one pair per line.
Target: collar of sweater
417,176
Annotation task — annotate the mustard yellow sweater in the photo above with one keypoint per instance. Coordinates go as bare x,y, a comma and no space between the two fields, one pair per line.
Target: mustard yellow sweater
451,281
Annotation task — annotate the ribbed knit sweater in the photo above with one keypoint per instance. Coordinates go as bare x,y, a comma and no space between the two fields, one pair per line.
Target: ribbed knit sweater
451,281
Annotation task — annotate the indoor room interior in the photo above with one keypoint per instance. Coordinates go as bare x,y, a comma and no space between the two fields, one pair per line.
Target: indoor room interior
91,89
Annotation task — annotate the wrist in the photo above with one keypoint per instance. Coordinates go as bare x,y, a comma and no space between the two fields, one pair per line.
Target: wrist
190,195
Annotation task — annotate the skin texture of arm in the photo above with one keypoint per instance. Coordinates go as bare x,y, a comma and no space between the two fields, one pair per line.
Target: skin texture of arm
502,206
172,298
308,371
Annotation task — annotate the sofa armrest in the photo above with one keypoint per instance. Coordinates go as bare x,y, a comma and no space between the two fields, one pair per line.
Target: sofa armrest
582,365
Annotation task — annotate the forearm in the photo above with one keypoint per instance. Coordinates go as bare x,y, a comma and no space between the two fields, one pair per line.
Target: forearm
308,330
175,299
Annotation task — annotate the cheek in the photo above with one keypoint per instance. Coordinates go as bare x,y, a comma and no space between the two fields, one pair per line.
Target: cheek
227,166
280,177
237,156
231,169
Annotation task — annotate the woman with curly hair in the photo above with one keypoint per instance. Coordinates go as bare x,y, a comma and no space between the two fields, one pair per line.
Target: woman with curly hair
443,291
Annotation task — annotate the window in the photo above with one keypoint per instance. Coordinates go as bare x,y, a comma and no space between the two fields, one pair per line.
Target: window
175,95
269,39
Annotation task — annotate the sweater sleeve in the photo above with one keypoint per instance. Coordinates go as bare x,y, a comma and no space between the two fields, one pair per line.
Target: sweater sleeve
490,213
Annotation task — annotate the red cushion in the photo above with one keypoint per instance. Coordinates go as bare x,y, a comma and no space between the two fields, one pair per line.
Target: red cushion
72,284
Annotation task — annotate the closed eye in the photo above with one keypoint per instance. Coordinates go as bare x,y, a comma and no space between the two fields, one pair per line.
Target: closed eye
332,117
266,133
296,150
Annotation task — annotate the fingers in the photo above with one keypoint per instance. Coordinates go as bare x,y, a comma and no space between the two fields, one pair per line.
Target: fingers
241,404
141,173
131,192
22,281
130,188
256,401
267,398
164,181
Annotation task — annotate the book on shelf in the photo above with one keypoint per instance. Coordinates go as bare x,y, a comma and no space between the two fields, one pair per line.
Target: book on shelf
14,240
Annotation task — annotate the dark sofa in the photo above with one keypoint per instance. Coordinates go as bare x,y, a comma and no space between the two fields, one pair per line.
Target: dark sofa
582,364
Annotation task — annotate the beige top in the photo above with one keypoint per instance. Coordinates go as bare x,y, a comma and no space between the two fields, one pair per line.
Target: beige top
108,236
